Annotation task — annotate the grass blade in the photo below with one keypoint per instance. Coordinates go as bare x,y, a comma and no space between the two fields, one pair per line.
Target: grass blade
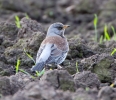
29,56
101,40
26,16
17,66
107,37
113,51
114,32
87,89
77,67
17,18
40,73
95,21
17,21
21,70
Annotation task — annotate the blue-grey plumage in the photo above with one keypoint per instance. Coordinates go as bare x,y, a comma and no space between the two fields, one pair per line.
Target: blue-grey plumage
54,47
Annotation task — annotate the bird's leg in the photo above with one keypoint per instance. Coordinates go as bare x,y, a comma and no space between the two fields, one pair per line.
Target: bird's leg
59,67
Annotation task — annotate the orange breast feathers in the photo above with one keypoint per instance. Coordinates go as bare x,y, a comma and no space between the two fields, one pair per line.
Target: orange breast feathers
60,42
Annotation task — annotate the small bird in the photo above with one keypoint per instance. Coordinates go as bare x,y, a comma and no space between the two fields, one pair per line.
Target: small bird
53,49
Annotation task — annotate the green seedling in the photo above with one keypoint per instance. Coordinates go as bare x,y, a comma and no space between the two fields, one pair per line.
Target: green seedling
37,73
87,88
114,33
26,16
23,71
17,21
17,65
95,21
113,52
77,67
106,34
101,40
29,56
40,73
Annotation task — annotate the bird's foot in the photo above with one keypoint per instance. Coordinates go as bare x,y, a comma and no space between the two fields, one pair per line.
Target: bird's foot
59,67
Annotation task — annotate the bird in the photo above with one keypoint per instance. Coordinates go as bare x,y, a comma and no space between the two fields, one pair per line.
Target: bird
53,49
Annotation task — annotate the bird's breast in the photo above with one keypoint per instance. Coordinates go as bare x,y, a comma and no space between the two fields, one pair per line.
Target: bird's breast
60,42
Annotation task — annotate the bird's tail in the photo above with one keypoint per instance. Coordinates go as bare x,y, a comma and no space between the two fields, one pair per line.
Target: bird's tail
38,67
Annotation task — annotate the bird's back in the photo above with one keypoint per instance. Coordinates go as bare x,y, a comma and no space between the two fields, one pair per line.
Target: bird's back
60,42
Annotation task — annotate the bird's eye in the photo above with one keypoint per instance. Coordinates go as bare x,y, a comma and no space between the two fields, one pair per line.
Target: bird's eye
60,28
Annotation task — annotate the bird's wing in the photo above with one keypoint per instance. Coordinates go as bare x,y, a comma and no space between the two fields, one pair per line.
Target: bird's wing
48,53
39,52
56,55
42,55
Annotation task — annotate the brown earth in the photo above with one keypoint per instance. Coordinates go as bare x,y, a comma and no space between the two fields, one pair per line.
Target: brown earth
96,66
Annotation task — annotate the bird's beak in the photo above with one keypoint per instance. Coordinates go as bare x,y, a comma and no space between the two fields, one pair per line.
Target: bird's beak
65,26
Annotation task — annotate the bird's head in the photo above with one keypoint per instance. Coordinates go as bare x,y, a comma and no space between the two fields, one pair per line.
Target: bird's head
57,29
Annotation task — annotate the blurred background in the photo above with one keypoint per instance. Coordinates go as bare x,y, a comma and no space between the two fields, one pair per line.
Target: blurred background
77,13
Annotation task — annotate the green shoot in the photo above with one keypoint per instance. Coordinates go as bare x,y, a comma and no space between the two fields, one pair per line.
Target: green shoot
21,70
17,65
95,21
29,56
114,32
101,40
17,21
113,52
107,37
26,16
77,67
87,88
37,73
40,73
